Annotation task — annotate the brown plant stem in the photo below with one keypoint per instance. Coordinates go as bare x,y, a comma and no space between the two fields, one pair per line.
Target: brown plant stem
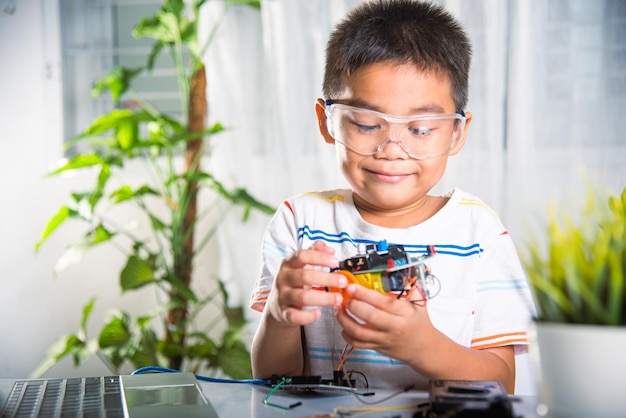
183,264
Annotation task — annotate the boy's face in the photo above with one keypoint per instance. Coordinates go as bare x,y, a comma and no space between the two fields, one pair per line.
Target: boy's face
390,180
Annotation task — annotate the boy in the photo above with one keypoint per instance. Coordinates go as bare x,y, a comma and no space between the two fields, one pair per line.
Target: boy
395,90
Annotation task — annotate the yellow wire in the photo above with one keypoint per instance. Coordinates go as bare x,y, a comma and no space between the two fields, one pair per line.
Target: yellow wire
367,410
344,356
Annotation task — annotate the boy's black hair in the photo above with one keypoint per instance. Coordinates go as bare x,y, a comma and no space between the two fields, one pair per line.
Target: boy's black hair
400,31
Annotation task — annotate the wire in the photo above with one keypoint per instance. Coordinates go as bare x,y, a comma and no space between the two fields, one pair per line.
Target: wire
156,369
385,399
349,373
344,356
408,288
347,351
274,389
285,381
346,410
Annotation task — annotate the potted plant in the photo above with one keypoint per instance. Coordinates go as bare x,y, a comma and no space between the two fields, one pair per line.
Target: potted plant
577,274
168,201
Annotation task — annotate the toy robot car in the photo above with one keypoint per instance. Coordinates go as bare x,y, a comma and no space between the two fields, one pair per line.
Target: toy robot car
389,270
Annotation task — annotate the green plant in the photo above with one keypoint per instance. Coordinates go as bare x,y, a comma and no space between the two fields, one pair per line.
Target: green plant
171,150
578,275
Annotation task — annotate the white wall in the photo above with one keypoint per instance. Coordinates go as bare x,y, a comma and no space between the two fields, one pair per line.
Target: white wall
32,313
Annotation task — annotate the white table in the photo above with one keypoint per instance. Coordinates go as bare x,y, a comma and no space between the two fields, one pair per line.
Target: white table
246,400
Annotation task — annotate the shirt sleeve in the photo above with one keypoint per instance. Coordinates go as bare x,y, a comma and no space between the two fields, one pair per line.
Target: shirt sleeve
279,241
504,306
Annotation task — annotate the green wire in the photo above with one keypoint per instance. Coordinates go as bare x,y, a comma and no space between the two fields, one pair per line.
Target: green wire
274,389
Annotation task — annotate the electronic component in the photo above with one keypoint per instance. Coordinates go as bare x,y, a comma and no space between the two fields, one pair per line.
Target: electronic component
389,270
307,383
469,398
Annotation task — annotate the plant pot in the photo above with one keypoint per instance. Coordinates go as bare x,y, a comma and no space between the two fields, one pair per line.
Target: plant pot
580,370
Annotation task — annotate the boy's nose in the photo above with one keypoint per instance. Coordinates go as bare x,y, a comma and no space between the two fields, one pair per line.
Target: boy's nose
401,148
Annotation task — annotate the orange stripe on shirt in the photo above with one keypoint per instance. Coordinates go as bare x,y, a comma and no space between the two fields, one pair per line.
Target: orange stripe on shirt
500,340
493,337
257,301
289,206
502,343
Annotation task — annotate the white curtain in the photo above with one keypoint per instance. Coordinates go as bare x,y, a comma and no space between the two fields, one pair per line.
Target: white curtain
567,97
547,90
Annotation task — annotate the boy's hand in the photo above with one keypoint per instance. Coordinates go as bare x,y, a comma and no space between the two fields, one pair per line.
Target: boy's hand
292,300
385,324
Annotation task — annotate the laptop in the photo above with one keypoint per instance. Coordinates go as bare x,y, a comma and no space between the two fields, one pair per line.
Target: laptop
136,396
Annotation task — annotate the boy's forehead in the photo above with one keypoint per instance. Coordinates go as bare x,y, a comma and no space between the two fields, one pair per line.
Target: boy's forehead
385,84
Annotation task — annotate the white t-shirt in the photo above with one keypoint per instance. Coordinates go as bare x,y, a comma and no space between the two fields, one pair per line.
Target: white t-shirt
484,300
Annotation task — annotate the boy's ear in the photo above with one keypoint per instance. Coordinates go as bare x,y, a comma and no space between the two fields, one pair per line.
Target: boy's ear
459,145
322,122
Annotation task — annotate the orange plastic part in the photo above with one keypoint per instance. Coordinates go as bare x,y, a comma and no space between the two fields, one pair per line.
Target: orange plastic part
344,293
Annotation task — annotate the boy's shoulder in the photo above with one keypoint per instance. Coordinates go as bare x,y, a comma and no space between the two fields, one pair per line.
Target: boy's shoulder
464,209
468,201
321,203
323,197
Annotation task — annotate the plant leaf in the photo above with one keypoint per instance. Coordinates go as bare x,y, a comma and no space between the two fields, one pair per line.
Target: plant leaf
145,353
580,278
78,162
252,3
117,81
137,273
235,361
115,338
125,192
86,313
127,135
83,352
205,348
115,333
115,119
62,347
163,27
73,254
57,220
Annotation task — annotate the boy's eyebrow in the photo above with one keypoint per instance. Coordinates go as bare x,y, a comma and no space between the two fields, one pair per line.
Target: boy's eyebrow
424,109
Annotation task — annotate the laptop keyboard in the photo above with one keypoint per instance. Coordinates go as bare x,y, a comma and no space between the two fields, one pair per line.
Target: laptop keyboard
70,397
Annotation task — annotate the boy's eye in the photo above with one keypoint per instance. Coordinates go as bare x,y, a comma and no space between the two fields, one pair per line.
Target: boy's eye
421,131
367,128
366,124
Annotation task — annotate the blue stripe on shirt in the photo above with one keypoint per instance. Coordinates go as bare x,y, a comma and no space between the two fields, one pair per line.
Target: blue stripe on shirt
448,249
357,356
499,285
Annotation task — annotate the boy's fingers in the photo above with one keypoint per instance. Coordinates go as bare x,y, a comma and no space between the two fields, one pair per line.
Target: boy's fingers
314,279
374,299
311,298
295,316
321,246
370,296
355,332
311,257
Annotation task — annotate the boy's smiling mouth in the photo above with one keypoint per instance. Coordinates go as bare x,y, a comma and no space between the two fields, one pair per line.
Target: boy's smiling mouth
390,177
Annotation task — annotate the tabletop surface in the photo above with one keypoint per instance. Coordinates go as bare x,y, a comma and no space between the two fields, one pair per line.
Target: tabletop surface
247,400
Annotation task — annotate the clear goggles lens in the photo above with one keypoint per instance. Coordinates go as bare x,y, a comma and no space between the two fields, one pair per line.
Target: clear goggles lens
367,132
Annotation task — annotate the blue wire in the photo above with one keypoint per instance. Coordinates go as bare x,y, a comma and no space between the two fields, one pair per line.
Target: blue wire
152,369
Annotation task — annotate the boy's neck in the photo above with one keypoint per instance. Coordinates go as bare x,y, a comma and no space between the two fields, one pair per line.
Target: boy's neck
405,217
